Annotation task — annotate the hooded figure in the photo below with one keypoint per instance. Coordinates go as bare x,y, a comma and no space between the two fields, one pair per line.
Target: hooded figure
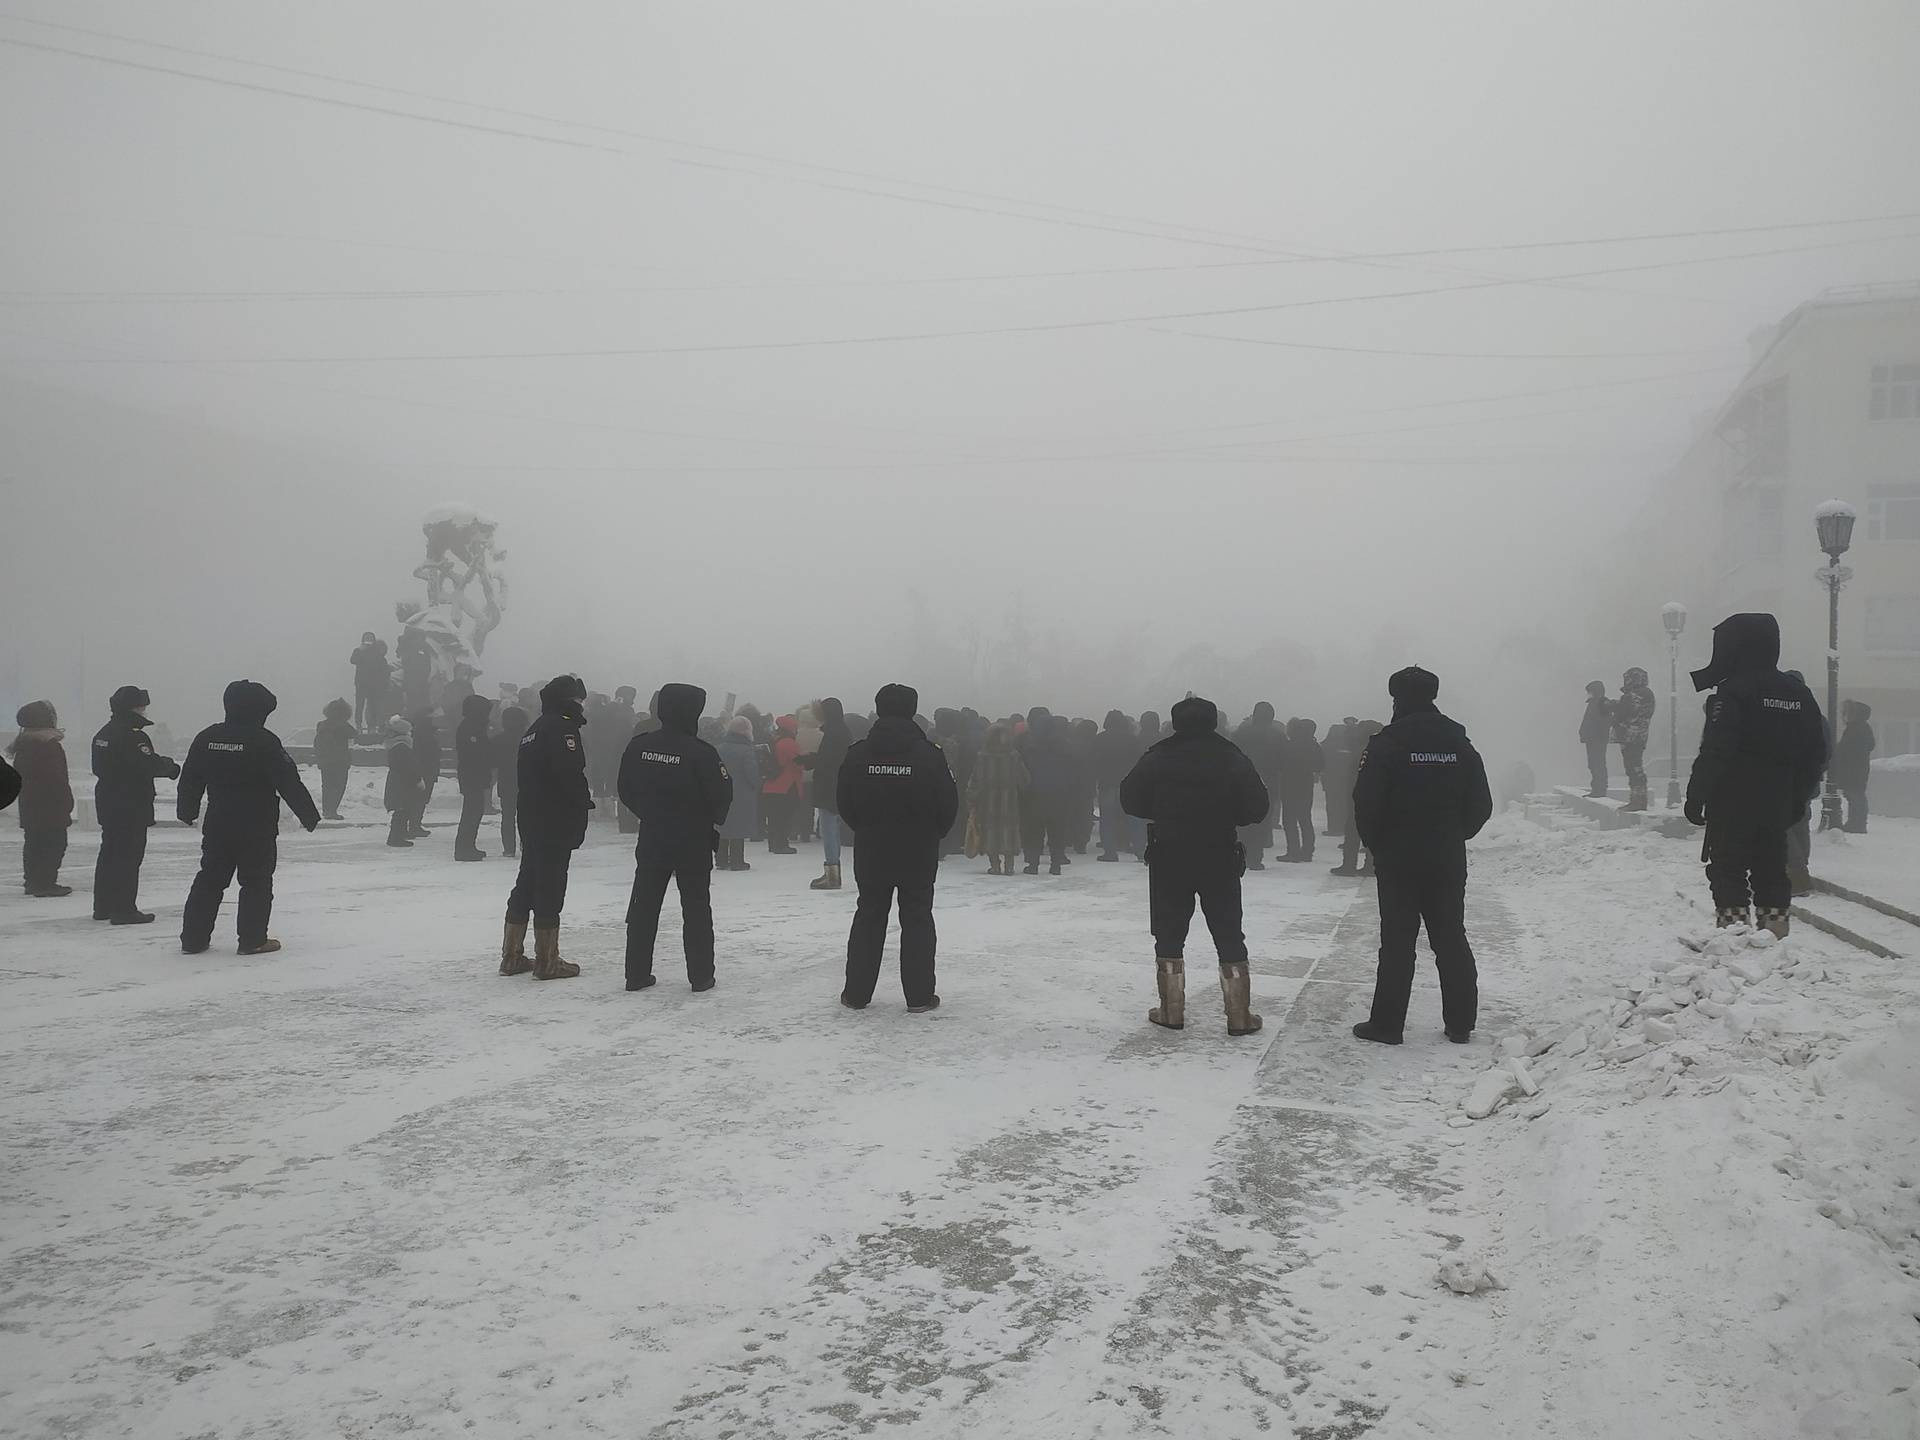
897,792
1263,742
1761,756
46,799
243,772
1196,789
506,775
1116,750
677,787
1422,794
993,800
826,760
1632,723
780,786
1300,765
1853,762
404,793
473,768
742,761
124,767
553,806
1596,728
333,752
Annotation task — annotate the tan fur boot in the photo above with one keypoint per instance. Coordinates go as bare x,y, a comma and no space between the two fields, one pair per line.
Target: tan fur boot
547,964
1171,1012
1236,989
513,951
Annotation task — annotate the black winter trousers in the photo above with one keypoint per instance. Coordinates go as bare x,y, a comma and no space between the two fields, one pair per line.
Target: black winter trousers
1175,881
1856,823
1597,766
253,859
509,822
473,809
420,822
1296,819
1044,823
690,866
41,851
333,785
881,876
116,874
778,811
540,890
1437,897
1747,864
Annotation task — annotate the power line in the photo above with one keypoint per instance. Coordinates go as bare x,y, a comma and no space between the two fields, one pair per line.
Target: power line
1037,328
1130,225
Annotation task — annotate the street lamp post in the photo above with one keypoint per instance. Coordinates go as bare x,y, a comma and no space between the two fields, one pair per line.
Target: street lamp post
1674,616
1833,523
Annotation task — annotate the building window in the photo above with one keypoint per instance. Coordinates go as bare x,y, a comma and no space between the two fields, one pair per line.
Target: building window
1893,624
1893,512
1895,393
1756,431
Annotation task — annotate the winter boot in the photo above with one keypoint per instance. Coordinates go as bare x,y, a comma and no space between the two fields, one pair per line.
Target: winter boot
1367,1030
1343,869
1728,916
1774,918
268,946
1171,1012
933,1004
547,964
1054,869
513,950
469,854
1236,990
993,865
1032,869
829,879
132,917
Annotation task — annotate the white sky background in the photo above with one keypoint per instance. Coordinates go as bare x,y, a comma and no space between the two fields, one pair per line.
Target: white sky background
752,518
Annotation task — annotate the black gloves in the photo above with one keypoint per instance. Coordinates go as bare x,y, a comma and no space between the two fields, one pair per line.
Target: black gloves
1696,812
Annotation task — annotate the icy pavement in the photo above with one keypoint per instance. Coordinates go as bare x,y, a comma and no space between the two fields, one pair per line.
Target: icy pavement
369,1188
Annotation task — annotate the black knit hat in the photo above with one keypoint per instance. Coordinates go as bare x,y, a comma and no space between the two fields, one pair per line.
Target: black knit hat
897,702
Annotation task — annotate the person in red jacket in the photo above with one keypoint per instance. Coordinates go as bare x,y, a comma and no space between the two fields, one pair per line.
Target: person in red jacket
46,799
780,792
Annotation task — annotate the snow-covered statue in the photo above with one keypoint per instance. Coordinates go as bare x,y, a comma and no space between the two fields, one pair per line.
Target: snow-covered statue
466,591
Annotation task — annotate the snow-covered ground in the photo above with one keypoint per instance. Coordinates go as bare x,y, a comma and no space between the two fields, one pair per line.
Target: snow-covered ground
368,1187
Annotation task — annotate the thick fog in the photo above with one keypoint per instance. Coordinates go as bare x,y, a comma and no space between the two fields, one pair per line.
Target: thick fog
1076,354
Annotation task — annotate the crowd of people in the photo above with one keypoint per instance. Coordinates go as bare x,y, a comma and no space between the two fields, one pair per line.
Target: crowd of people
1197,805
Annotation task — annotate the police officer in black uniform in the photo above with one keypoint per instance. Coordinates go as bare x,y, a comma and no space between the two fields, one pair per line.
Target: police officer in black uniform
675,785
1420,796
125,767
473,767
554,804
1195,789
244,772
1761,757
897,794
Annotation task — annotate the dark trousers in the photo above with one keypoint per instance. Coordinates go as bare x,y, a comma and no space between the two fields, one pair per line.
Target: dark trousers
1174,882
690,866
1597,766
1044,821
333,785
880,876
509,821
1747,864
778,811
369,707
116,874
222,857
473,809
1296,818
1856,811
420,822
41,851
540,889
1436,897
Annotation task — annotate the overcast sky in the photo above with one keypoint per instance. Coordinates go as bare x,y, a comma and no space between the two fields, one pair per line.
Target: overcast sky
749,321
